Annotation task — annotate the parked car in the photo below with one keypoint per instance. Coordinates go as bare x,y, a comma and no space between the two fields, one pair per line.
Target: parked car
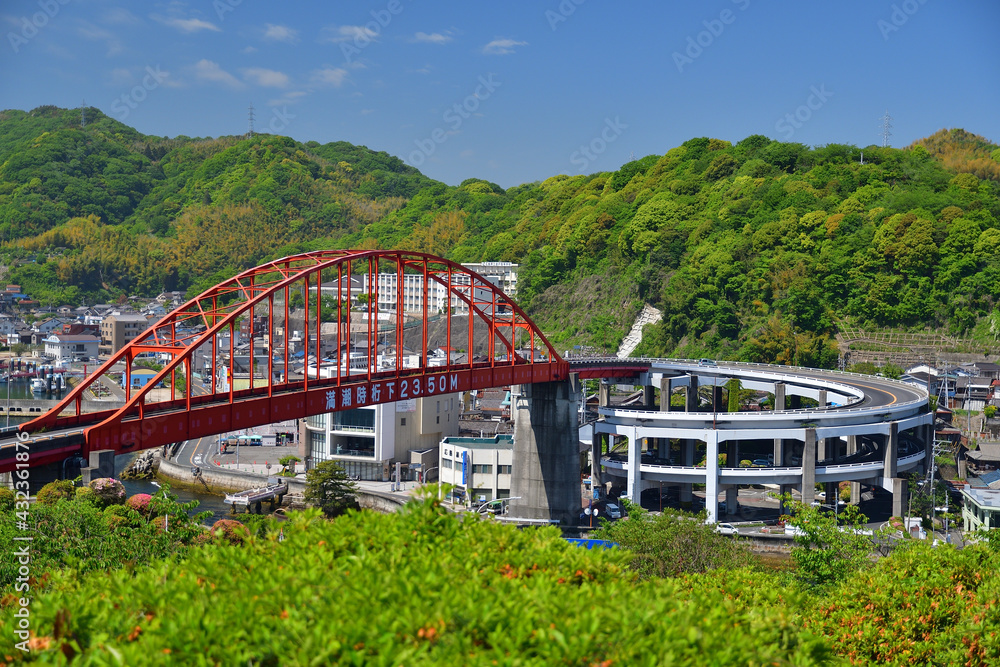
726,529
614,512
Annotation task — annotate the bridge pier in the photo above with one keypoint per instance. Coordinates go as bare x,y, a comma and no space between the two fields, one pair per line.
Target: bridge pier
546,480
102,464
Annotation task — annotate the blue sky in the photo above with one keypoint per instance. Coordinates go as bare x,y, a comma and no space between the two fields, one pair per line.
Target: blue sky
516,91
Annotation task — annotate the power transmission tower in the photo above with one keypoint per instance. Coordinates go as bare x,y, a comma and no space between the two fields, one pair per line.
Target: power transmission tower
250,117
886,125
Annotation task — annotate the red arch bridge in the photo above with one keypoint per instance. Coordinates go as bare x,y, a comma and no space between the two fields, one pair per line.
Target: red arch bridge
303,335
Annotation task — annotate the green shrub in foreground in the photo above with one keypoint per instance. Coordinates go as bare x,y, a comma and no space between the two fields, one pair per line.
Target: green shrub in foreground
422,587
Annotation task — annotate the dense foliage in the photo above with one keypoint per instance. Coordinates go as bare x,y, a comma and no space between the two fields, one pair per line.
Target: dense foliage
672,543
425,586
84,532
753,251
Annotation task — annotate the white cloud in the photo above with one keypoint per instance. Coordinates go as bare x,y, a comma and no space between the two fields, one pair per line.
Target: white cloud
281,33
501,47
249,50
365,112
346,33
330,76
266,77
432,38
186,25
206,70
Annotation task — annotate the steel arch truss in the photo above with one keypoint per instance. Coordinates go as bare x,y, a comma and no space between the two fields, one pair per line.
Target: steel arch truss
227,365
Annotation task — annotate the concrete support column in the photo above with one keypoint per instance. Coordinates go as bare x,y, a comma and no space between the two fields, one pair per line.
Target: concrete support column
779,396
891,450
691,394
688,451
822,398
831,490
717,403
821,452
634,461
899,496
732,453
648,397
782,490
795,402
102,464
546,479
779,452
852,448
604,395
596,450
809,466
712,475
666,391
732,499
928,438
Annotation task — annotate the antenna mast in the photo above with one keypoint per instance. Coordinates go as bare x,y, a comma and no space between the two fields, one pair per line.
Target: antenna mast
886,124
250,117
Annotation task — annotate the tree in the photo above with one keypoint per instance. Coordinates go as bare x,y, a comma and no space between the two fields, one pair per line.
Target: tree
288,462
328,487
674,543
829,548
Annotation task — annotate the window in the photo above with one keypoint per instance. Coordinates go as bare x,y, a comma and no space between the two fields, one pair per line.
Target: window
504,470
446,463
439,406
483,468
438,418
402,421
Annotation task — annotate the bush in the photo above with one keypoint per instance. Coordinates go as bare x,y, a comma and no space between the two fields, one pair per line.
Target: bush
53,492
230,531
140,503
7,498
109,491
85,494
122,516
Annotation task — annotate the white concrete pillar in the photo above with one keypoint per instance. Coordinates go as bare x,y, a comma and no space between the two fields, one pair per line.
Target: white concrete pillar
712,475
634,461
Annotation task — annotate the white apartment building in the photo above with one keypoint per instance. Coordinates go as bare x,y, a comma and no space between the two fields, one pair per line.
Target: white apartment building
500,274
71,348
478,468
367,441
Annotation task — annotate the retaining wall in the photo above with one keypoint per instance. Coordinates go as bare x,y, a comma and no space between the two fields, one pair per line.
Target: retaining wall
220,481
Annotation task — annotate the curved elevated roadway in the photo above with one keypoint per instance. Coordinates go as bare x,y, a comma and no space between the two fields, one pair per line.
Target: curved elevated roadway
865,429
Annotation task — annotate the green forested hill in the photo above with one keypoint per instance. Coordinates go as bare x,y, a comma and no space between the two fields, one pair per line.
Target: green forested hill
103,210
754,250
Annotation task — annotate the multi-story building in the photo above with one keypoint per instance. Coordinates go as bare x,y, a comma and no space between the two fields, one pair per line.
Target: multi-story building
478,468
501,274
68,347
118,329
367,441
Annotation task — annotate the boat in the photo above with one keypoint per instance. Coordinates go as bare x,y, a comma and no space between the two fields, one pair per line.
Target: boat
38,385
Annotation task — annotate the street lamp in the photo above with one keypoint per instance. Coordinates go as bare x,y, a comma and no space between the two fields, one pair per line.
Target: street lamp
591,512
835,508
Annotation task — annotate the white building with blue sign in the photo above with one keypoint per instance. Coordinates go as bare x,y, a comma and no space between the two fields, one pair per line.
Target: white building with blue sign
478,468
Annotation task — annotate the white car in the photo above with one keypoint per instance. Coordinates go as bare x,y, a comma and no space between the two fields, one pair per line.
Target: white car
726,529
